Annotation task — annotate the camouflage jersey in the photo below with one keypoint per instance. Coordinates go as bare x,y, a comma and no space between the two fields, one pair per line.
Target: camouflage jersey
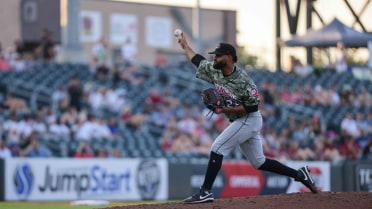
237,88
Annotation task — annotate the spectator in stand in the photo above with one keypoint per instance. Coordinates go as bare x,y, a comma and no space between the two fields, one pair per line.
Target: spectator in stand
341,58
116,153
102,131
363,139
183,144
100,52
298,68
5,152
187,124
168,135
132,76
15,104
268,95
297,95
364,98
153,99
270,144
87,129
70,117
38,125
75,93
349,125
60,130
25,125
367,151
129,52
321,96
369,122
29,61
14,149
84,150
361,122
102,153
98,99
347,95
161,59
131,119
60,99
4,63
114,128
333,96
50,116
326,149
350,148
47,46
19,47
18,64
35,148
285,95
296,152
308,96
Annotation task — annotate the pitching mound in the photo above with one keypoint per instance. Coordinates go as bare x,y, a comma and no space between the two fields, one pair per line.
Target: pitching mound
327,200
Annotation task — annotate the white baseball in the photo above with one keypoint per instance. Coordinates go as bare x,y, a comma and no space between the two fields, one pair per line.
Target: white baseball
177,33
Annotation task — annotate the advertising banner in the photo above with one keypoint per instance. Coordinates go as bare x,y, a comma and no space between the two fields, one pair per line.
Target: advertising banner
73,179
363,177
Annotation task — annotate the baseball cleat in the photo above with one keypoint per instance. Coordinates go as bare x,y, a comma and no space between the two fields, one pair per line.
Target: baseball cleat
306,179
200,197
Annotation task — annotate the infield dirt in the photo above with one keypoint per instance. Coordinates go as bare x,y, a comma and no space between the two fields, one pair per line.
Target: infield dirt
323,200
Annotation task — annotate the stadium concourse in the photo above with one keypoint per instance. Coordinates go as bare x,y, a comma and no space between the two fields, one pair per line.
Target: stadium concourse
69,110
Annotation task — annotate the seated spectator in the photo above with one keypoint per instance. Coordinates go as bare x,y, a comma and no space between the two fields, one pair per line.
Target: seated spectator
297,153
298,68
367,151
15,104
116,153
84,150
326,150
18,64
285,95
349,125
364,98
4,63
129,52
102,153
363,139
35,148
102,131
161,59
333,96
60,130
350,149
14,149
5,152
182,144
133,120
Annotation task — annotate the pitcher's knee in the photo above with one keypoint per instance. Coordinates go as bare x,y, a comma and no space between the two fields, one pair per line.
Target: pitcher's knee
257,162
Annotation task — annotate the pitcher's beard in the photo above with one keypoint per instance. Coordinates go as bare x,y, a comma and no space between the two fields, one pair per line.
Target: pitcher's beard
219,65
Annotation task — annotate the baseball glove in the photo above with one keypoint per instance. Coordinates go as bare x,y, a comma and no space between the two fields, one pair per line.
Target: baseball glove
212,100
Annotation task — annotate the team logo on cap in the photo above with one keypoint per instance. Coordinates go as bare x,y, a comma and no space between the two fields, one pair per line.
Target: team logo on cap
254,92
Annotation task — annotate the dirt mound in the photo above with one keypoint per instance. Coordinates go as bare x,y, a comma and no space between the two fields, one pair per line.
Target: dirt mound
327,200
